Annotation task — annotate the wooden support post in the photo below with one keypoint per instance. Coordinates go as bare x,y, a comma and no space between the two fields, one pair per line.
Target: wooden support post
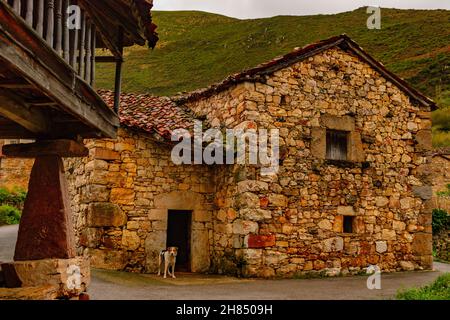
66,46
94,45
87,72
81,55
17,6
40,19
30,12
118,80
49,37
59,27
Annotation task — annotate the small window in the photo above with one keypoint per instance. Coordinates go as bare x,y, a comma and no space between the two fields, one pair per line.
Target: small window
337,145
348,224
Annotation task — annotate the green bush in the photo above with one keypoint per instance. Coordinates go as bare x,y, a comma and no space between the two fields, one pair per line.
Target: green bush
15,198
438,290
440,221
9,215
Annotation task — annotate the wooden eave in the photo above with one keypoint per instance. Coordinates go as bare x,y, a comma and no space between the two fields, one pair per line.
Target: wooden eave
66,106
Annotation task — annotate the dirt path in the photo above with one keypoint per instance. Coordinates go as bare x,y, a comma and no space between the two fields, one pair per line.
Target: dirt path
112,285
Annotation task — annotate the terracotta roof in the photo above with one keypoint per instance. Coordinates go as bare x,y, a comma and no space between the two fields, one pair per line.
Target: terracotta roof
149,113
343,41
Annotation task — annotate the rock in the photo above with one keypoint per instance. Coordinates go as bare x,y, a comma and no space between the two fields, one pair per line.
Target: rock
252,186
325,225
94,193
105,214
423,192
388,234
244,227
333,244
381,201
346,210
260,241
255,214
407,265
277,200
122,196
71,277
107,259
381,246
130,240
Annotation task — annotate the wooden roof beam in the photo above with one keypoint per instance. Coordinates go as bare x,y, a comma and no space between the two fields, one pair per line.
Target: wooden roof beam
16,110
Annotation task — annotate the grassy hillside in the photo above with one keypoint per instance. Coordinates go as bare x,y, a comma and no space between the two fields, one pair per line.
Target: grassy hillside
197,48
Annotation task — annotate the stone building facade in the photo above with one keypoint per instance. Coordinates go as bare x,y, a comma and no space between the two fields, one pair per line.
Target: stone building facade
317,214
14,173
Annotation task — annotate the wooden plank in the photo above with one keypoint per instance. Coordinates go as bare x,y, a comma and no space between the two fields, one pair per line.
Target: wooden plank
62,148
14,131
16,110
23,52
15,84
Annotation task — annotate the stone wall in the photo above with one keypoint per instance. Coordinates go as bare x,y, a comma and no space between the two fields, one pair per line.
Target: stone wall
292,222
14,173
282,225
121,196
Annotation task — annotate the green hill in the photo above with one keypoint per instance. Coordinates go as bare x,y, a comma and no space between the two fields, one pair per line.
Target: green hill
197,48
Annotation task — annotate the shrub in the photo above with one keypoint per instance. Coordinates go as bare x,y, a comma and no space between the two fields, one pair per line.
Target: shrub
9,215
440,221
15,198
438,290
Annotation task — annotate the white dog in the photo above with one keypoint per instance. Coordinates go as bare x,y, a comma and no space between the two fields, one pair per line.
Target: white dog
170,258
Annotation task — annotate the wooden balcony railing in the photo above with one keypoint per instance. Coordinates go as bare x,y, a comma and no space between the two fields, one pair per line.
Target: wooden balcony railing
49,19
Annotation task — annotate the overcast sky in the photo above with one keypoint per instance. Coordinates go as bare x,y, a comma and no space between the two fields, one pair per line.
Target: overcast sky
245,9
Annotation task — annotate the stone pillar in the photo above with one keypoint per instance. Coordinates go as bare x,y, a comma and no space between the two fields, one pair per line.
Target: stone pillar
45,255
46,229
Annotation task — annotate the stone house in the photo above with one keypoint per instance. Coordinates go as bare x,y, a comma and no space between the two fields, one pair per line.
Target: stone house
370,203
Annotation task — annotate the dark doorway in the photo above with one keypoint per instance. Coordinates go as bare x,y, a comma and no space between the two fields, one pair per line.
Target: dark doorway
179,235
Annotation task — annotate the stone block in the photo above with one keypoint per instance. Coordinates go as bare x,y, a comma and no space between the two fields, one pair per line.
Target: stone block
346,211
107,259
333,244
423,192
422,244
381,246
94,193
70,276
260,241
255,214
105,214
106,154
244,227
130,240
122,196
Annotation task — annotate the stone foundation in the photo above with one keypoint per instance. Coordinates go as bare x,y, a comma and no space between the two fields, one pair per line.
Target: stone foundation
57,278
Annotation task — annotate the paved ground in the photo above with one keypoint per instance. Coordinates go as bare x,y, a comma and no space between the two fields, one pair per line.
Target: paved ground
112,285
